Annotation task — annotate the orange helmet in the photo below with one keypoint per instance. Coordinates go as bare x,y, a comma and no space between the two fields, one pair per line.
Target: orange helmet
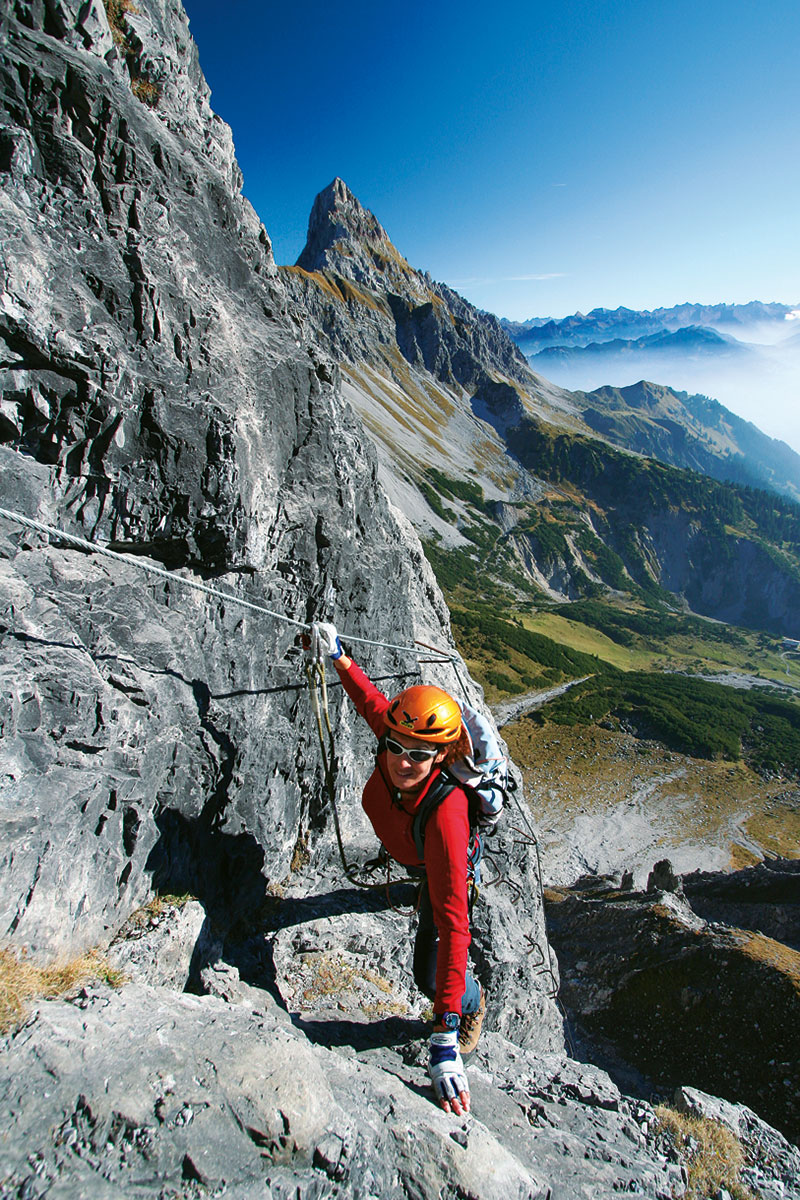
424,712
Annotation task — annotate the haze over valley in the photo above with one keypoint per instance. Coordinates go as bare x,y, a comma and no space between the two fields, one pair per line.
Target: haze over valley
746,356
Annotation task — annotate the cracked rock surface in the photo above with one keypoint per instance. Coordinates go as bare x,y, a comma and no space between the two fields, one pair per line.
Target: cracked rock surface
688,998
236,1091
161,391
156,396
151,1091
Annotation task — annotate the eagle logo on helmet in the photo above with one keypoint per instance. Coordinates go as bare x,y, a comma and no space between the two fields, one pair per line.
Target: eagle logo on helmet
409,722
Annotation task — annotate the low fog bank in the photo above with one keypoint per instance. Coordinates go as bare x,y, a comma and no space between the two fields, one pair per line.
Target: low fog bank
764,333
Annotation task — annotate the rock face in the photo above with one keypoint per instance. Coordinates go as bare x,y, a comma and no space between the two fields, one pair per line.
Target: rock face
705,1004
765,897
230,1091
431,324
235,1099
162,391
156,395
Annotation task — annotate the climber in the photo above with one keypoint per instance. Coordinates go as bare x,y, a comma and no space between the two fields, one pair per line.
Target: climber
419,732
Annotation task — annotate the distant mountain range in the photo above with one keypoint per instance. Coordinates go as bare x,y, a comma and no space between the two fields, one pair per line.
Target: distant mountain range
523,489
692,340
692,431
754,322
745,355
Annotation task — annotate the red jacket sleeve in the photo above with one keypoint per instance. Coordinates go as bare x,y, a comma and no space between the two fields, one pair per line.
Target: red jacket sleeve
370,703
446,847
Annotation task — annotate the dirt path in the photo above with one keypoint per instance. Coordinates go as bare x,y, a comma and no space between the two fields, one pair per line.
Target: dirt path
511,710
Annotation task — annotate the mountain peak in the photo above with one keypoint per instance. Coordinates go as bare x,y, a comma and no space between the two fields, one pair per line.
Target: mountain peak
336,195
336,205
346,238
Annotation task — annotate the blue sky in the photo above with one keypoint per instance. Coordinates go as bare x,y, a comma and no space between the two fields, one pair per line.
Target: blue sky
541,158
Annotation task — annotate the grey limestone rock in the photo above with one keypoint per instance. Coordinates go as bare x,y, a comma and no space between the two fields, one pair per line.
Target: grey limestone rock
364,298
663,878
148,1092
350,950
160,944
764,897
773,1164
162,1087
157,396
163,391
682,998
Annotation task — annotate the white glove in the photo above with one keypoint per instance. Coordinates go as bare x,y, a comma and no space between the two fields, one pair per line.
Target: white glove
324,641
446,1069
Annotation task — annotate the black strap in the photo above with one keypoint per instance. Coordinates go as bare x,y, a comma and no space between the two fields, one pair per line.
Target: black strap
441,787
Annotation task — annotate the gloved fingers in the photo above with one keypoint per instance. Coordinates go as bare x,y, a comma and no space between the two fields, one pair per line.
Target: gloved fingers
459,1104
324,641
445,1087
452,1092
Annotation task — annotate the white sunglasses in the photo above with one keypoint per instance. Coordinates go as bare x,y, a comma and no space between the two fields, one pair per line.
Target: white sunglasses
416,755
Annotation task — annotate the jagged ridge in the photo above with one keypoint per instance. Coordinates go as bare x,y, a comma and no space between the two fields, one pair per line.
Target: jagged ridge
695,432
435,383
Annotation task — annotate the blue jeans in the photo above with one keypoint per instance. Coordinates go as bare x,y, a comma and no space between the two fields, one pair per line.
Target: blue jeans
426,947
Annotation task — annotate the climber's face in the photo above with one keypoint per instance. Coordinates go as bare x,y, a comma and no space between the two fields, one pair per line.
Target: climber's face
404,773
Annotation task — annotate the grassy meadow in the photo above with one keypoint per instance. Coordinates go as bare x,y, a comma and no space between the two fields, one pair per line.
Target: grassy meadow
703,763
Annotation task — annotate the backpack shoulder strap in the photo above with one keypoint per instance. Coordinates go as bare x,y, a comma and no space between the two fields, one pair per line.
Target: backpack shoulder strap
441,787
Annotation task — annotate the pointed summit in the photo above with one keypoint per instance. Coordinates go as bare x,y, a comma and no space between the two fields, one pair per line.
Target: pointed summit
337,217
347,239
371,305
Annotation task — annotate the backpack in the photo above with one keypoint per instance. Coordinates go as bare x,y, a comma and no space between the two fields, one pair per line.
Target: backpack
483,777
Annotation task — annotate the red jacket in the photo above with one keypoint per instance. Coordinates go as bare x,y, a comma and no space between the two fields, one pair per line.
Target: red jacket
446,845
